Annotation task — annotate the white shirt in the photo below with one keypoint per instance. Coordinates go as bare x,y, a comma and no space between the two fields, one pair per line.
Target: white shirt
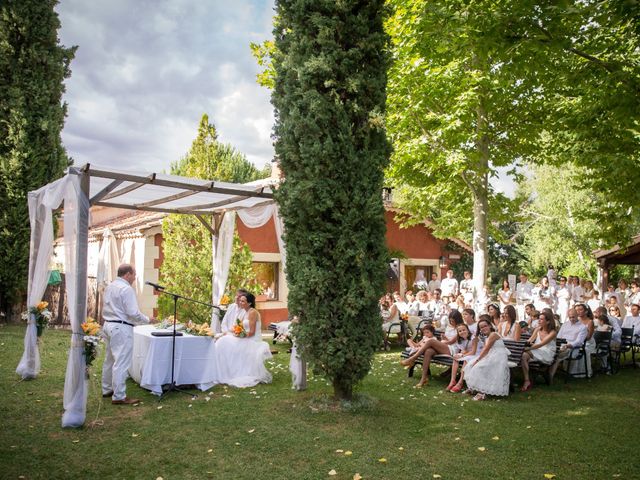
574,333
120,304
631,321
449,286
563,295
433,284
577,294
504,296
524,293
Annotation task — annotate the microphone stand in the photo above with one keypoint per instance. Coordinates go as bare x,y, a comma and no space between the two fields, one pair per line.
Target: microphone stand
172,387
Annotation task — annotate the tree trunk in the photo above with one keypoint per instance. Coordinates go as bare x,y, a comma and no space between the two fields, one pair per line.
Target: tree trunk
479,190
342,390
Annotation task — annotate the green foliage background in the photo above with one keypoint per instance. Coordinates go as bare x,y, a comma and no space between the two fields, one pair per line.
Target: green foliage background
330,77
33,67
187,267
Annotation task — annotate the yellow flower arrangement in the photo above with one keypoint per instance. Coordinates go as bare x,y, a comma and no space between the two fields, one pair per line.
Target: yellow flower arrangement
225,300
91,339
200,329
41,314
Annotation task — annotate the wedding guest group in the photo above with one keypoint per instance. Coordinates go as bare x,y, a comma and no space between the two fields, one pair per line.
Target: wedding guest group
555,307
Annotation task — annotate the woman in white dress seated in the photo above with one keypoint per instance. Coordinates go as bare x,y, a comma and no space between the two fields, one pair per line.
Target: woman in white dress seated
542,346
241,353
488,374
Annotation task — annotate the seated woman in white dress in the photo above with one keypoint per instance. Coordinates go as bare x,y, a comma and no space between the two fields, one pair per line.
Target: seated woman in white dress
509,328
488,374
542,346
241,353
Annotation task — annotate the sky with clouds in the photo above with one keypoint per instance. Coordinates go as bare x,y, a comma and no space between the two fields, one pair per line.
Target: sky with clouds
145,71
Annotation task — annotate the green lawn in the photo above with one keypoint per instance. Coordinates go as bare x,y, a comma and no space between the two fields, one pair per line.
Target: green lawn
586,430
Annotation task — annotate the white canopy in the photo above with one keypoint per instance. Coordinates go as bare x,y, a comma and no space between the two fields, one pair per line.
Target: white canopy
83,187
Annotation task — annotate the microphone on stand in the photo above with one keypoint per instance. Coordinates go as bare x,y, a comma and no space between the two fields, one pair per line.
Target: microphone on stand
155,286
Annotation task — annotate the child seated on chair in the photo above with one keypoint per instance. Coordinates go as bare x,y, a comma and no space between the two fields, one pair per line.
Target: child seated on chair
427,333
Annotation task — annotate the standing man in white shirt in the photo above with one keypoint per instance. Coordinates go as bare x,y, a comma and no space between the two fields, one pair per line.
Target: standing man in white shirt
233,313
524,294
120,314
466,288
563,299
449,285
434,283
634,296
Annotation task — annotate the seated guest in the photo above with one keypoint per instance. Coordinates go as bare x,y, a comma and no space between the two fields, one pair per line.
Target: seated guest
463,347
611,324
575,333
240,354
585,315
434,347
633,321
427,333
541,346
508,327
423,302
488,374
531,316
469,317
493,310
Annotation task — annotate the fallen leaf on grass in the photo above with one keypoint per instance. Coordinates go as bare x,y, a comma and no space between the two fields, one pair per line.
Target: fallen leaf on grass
435,475
76,441
456,439
495,438
160,407
357,476
159,478
476,420
482,449
339,451
549,475
210,450
382,460
251,431
134,435
332,472
401,448
237,444
348,452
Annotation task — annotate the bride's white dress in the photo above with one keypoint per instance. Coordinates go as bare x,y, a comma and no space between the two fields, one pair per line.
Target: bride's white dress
240,361
491,374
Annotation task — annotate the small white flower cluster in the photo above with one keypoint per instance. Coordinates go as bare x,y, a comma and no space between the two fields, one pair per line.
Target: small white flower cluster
92,339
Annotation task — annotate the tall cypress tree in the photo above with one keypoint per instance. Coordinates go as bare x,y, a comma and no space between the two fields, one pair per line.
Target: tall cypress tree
329,96
33,67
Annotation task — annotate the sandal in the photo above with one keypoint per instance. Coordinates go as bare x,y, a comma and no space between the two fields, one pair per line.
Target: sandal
479,397
451,385
420,384
406,363
526,388
456,388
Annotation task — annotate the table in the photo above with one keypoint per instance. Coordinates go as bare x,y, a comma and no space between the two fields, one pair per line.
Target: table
151,365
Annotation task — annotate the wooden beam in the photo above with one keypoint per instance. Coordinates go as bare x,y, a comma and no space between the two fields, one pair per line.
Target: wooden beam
125,190
208,187
206,206
105,191
207,225
168,199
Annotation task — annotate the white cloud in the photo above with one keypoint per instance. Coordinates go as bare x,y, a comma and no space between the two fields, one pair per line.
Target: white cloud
146,71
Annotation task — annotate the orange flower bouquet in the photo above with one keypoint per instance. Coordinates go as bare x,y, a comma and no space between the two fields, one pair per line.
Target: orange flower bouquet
238,330
404,317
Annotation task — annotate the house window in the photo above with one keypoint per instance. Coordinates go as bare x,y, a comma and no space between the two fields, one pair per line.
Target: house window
266,274
420,274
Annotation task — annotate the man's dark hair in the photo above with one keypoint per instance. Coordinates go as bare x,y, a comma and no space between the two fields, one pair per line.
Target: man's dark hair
124,269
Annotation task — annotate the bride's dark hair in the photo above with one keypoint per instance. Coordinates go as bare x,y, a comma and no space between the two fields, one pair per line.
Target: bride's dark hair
251,299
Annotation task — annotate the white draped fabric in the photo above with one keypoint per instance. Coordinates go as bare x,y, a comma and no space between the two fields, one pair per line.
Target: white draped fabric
253,217
222,250
107,259
138,262
41,205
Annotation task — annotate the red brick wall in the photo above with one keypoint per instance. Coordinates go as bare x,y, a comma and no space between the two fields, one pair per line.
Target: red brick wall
262,239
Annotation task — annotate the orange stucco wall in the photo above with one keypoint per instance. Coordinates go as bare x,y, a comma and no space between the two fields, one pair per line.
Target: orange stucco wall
416,241
260,240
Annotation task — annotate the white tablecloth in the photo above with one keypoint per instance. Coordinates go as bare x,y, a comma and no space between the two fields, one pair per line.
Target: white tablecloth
151,365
